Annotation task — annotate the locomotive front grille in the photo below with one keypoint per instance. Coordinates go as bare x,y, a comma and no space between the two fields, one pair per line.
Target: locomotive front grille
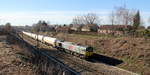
89,54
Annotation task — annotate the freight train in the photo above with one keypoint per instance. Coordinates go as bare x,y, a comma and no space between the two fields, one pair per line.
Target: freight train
69,47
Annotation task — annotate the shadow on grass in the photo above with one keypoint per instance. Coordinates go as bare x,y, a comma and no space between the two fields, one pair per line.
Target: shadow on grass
97,58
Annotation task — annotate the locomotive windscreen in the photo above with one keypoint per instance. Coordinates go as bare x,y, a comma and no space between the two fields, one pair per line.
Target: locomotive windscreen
89,49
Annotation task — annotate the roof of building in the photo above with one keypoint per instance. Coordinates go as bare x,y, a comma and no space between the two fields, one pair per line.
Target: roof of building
114,26
63,28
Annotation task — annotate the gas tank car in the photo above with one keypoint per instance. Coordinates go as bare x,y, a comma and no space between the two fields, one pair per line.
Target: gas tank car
44,39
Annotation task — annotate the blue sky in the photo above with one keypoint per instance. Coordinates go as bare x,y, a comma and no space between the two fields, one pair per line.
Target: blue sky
22,12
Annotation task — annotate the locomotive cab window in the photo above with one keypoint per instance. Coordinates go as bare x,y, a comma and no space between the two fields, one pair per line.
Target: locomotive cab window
89,49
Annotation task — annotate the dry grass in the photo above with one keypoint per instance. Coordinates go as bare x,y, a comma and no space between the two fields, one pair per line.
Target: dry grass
41,64
135,52
9,63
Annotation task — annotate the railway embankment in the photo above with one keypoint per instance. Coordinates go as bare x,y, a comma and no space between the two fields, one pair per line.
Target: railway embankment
10,64
96,68
42,60
43,64
133,51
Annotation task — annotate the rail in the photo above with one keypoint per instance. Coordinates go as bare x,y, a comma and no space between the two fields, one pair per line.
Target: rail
35,50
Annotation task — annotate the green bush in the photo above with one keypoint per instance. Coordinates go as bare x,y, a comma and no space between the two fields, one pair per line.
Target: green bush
144,33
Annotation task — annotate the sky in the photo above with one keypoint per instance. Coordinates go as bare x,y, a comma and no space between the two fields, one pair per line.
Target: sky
27,12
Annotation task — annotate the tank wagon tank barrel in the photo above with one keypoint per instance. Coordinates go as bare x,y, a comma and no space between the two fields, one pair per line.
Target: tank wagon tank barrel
81,51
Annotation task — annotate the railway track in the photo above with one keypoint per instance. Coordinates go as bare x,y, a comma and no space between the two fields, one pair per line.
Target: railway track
82,66
51,58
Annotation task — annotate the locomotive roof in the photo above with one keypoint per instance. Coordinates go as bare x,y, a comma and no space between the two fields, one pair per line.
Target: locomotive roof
66,42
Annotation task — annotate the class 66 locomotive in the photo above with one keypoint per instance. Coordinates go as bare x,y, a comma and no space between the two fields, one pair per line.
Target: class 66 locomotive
68,47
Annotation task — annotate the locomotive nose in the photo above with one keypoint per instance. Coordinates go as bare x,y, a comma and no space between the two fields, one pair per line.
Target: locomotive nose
89,52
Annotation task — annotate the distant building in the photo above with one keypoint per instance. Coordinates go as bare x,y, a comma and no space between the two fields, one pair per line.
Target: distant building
76,27
113,32
90,27
141,27
85,28
64,29
113,29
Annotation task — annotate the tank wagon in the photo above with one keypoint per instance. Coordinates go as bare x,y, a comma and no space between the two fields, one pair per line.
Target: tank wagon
47,40
69,47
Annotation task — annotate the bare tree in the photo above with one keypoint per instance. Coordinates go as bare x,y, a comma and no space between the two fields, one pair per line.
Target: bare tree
123,16
136,20
40,26
112,18
78,20
90,18
8,27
